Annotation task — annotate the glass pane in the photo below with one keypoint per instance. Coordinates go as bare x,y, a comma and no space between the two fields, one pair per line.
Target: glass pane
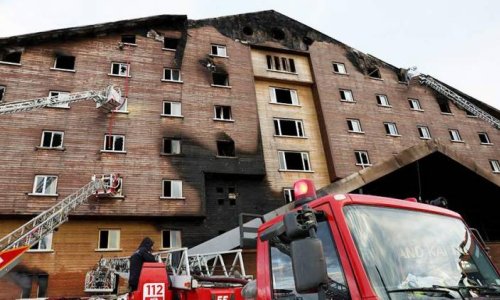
176,146
114,239
51,185
176,109
176,188
39,184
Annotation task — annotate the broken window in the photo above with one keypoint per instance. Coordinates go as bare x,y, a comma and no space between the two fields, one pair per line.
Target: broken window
339,68
288,195
128,39
120,69
483,137
109,239
2,92
495,165
123,106
13,57
284,96
31,281
346,95
171,75
374,72
444,107
423,132
52,139
64,62
362,158
222,113
218,50
171,108
414,104
391,129
171,239
115,143
455,135
286,127
382,100
277,34
60,96
171,189
45,185
354,125
294,161
171,146
170,43
221,79
225,148
277,63
44,244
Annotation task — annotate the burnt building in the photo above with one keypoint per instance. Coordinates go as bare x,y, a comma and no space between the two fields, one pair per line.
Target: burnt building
220,116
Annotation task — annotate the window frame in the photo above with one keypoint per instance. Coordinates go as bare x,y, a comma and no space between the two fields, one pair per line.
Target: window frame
351,122
281,64
114,136
305,160
125,36
54,93
383,100
446,106
222,114
171,71
415,104
170,39
176,104
171,140
226,83
228,142
424,132
64,69
15,63
45,187
342,70
294,96
343,93
49,238
3,90
217,47
487,138
175,235
120,65
455,136
179,188
299,127
359,155
495,165
53,132
288,195
117,233
123,108
391,129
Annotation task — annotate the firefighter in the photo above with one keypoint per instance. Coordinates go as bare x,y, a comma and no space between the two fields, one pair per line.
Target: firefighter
141,255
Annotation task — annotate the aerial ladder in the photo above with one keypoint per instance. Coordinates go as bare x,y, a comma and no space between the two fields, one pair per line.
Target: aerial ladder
186,271
459,100
107,99
16,243
21,239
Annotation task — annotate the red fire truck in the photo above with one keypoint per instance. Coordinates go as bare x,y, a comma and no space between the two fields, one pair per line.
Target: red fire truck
349,246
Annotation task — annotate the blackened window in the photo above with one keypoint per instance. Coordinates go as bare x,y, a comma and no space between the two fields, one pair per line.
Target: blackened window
128,39
65,62
13,57
444,107
220,79
225,148
170,43
374,72
2,92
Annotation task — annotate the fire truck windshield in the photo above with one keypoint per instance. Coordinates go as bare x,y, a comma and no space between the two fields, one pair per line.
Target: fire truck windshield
407,251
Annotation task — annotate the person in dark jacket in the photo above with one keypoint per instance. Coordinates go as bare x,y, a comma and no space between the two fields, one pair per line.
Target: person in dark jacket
141,255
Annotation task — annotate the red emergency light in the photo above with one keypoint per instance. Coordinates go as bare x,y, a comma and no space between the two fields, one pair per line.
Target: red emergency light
304,191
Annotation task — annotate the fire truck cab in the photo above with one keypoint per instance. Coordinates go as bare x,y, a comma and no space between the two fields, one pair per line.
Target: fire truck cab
350,246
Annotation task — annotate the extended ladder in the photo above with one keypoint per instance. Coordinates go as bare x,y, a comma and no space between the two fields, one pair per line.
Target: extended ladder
107,99
183,269
33,231
460,101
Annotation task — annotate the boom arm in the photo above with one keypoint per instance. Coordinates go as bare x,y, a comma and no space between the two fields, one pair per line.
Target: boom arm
33,231
460,101
107,99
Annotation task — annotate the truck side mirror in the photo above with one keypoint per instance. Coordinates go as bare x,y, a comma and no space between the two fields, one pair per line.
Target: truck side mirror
309,265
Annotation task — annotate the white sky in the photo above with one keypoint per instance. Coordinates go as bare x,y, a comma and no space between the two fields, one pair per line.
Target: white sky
456,41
